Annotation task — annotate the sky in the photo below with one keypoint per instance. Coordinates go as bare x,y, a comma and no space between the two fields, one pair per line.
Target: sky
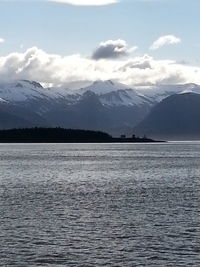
137,42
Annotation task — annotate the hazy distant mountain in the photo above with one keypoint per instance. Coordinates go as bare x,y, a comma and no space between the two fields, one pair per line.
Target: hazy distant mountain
159,92
116,94
104,105
107,106
21,103
175,118
8,121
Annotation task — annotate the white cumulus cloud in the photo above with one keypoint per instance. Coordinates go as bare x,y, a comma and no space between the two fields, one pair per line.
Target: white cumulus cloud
56,70
86,2
2,40
165,40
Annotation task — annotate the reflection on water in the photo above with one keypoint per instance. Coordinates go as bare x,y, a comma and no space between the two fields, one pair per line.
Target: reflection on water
100,205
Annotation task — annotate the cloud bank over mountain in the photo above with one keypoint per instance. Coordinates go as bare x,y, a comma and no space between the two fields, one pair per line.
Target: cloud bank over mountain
56,70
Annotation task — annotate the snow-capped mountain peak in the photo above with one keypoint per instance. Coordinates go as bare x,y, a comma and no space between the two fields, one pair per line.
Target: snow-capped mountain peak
23,90
127,97
112,93
159,92
103,87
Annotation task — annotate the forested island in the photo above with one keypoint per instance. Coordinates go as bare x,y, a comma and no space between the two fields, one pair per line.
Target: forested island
61,135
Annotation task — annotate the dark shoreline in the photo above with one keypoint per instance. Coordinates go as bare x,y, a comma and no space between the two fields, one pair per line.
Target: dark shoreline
61,135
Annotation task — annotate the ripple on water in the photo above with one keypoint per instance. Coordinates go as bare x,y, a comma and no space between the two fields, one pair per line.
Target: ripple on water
100,205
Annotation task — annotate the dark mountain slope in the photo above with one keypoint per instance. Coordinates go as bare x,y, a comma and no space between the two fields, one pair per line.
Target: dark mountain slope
175,118
104,105
8,121
89,113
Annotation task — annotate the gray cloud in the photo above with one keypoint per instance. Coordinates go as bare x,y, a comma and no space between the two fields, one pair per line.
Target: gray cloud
139,64
112,49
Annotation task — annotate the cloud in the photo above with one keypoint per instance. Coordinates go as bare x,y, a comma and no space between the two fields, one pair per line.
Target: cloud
86,2
112,49
165,40
140,63
2,40
56,70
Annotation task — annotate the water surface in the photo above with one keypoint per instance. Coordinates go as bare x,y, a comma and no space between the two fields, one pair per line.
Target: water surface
100,204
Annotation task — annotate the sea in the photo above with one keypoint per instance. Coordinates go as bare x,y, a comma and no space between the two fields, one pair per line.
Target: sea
100,204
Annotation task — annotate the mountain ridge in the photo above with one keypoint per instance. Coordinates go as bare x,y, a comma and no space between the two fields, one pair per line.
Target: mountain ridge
103,105
177,117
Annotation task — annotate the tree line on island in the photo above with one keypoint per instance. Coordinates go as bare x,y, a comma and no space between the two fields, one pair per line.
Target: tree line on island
61,135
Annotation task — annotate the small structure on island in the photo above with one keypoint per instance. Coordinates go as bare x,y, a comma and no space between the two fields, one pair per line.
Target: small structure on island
123,136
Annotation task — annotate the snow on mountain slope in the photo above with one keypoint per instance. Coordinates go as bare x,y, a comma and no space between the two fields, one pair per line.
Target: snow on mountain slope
116,94
126,97
23,90
110,93
103,105
104,87
28,91
160,92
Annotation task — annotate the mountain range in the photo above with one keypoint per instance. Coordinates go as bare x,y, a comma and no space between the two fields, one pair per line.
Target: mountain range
104,105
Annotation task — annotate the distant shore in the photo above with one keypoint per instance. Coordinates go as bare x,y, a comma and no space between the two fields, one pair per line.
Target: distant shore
61,135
